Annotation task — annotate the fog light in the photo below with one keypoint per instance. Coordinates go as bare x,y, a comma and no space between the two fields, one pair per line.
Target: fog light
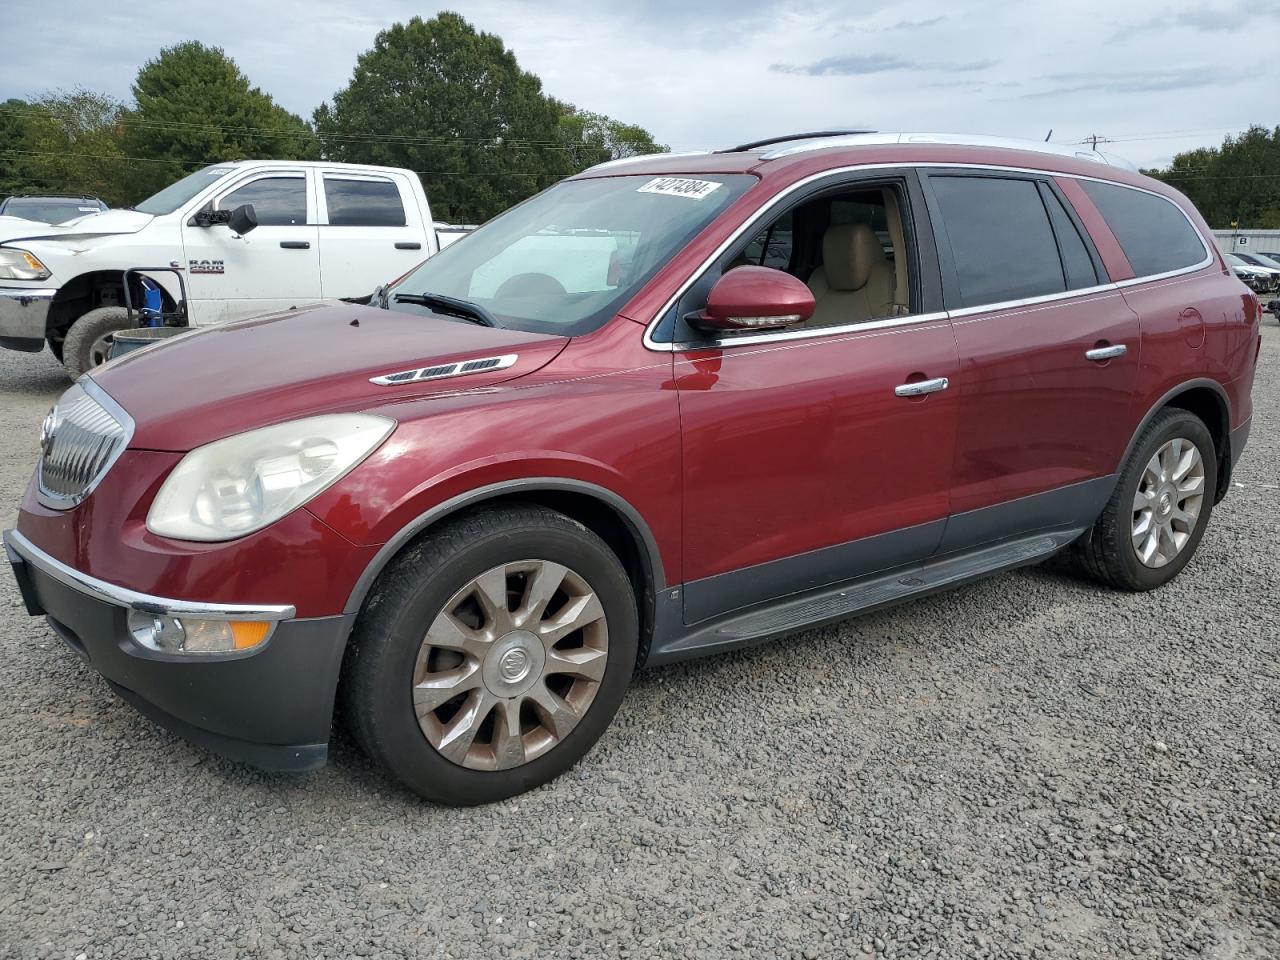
174,635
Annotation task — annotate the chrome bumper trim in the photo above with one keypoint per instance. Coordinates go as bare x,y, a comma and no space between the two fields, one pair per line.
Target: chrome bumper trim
23,312
132,599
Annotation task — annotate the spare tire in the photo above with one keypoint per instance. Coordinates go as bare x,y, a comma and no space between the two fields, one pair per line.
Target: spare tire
88,342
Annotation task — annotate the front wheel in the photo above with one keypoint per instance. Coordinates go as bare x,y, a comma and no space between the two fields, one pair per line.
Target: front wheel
1154,521
491,655
88,342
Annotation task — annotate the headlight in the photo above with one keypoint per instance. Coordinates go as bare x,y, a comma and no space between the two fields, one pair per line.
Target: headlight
241,484
20,265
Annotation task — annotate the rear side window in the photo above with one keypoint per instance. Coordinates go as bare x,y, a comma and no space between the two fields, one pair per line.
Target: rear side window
1076,262
363,203
277,201
1153,232
1000,237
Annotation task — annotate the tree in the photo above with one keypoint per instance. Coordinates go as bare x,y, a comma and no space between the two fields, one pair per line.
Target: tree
452,103
1239,181
63,142
594,138
195,107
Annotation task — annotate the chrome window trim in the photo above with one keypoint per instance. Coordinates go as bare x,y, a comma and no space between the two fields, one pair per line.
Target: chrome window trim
121,416
132,599
763,212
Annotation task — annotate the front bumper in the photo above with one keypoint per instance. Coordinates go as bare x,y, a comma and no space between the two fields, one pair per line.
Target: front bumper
271,706
23,314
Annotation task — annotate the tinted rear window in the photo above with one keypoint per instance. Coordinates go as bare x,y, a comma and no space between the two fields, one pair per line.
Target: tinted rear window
1000,237
1153,232
363,203
1076,262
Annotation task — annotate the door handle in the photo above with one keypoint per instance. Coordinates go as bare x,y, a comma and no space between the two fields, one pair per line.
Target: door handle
296,244
1106,353
921,387
408,245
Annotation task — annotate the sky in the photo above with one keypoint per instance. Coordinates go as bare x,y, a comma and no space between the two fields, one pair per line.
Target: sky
1155,78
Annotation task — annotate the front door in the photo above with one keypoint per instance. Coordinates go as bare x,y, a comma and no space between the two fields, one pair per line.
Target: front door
820,454
274,267
1048,357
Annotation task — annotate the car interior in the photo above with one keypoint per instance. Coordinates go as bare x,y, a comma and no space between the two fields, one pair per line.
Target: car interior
850,249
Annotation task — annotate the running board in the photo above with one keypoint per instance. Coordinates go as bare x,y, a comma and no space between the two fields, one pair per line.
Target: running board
791,614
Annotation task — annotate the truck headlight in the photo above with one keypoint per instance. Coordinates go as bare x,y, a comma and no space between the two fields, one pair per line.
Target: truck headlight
20,265
235,486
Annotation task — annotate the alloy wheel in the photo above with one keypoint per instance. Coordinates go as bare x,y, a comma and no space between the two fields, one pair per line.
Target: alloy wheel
1167,505
510,665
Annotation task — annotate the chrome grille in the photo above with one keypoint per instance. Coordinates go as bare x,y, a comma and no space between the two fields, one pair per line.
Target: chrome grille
82,437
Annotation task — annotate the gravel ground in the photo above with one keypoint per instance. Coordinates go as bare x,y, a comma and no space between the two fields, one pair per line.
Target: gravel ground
1028,767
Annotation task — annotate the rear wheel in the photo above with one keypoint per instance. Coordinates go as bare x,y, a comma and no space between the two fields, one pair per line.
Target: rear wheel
88,342
1153,523
491,655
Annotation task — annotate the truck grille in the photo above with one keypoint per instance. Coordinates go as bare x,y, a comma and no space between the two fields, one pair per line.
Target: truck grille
81,438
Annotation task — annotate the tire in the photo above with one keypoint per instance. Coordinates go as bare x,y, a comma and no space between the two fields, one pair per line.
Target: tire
1110,552
89,339
393,675
55,341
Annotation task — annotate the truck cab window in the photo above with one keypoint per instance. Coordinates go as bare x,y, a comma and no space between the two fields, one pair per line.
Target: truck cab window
278,201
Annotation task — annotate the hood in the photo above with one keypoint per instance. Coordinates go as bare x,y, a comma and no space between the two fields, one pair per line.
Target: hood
218,381
92,225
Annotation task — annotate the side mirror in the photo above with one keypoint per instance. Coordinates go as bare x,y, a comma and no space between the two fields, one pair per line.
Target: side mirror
754,298
242,219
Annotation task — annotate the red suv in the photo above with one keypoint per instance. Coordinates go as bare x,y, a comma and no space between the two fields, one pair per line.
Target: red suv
670,406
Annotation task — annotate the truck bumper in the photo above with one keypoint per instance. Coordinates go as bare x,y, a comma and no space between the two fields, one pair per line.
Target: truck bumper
23,312
270,707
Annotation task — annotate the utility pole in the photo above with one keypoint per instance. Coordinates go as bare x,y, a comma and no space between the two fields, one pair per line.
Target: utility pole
1093,140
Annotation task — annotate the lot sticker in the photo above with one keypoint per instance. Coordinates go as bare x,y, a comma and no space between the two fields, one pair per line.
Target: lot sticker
680,187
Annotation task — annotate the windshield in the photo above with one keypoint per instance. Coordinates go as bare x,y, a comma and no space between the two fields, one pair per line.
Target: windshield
49,211
1235,261
568,259
176,194
1266,261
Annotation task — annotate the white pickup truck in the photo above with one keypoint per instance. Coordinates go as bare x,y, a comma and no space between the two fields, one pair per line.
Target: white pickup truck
249,237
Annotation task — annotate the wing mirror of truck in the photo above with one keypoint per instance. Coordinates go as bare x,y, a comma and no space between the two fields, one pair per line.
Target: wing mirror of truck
755,298
243,219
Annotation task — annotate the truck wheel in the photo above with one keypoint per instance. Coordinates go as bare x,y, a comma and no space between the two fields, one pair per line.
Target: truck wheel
55,341
1153,523
88,342
491,655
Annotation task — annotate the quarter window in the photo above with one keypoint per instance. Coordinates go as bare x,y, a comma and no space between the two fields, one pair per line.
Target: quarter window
277,201
1000,238
363,203
1153,232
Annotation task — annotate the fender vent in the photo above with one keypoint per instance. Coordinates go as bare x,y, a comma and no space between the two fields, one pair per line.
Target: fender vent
444,370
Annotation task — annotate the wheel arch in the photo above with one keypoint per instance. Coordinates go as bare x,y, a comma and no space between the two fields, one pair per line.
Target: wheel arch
597,508
86,291
1206,399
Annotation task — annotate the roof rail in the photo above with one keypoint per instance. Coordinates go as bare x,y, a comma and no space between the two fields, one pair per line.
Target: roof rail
770,141
821,142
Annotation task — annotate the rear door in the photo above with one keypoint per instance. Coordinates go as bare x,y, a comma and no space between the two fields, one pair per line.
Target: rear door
372,231
1048,353
271,268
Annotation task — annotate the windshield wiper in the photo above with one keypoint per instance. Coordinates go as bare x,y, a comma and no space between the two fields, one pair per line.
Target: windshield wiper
451,306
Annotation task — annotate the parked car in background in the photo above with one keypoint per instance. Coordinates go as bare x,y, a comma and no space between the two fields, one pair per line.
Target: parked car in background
250,237
1261,279
1260,260
50,208
472,514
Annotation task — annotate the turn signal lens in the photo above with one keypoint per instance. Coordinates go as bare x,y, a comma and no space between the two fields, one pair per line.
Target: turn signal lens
175,635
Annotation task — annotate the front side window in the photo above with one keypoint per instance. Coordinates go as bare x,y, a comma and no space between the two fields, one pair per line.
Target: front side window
566,260
1000,238
277,201
363,203
1153,232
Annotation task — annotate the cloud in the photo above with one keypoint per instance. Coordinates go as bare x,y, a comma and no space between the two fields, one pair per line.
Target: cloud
855,65
1137,81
